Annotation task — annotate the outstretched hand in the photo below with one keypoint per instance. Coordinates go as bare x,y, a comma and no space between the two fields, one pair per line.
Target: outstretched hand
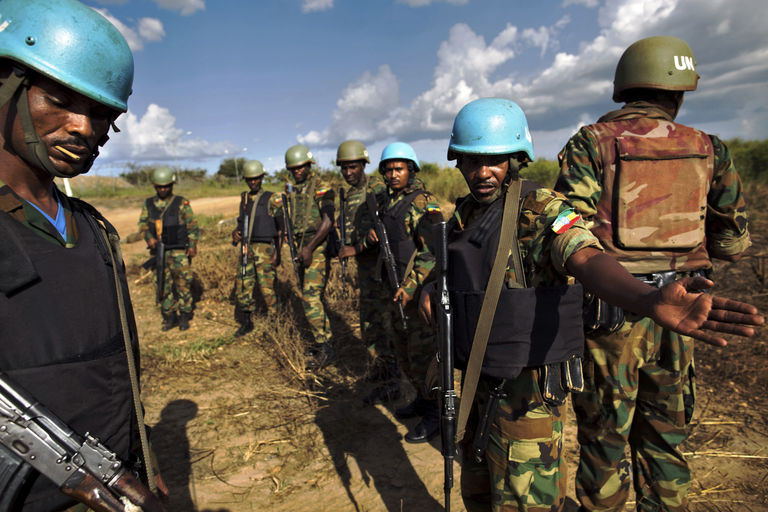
683,307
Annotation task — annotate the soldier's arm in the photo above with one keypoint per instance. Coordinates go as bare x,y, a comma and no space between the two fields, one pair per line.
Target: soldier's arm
144,224
580,178
188,218
726,222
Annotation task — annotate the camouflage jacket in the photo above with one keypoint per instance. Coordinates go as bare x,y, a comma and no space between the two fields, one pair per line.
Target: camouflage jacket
422,215
679,198
307,202
357,218
185,216
545,241
28,215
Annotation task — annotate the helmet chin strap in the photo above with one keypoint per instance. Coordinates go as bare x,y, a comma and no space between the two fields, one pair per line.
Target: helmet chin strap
17,86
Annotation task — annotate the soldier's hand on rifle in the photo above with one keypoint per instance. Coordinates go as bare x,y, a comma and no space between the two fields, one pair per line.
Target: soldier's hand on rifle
346,251
372,238
152,243
305,256
426,299
402,296
237,235
191,252
683,307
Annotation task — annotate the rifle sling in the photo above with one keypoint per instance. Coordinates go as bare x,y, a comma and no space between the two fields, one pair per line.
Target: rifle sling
253,212
507,243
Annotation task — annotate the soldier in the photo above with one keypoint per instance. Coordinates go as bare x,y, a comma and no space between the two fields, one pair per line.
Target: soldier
352,156
311,210
67,330
530,318
261,252
169,218
408,214
663,199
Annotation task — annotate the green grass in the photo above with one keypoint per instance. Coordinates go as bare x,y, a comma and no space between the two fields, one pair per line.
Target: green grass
196,350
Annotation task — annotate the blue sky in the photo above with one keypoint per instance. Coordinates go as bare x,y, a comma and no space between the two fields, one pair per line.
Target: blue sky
222,78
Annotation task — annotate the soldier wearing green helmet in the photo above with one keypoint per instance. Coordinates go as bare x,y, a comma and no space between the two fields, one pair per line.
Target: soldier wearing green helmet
169,218
260,252
65,76
663,199
310,207
513,249
352,157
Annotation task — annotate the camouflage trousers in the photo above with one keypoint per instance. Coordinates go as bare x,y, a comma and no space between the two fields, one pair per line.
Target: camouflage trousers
414,344
639,392
375,327
524,467
177,283
259,278
315,278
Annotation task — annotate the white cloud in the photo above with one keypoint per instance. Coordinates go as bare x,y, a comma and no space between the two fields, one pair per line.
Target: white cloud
154,136
185,7
149,29
422,3
316,5
590,4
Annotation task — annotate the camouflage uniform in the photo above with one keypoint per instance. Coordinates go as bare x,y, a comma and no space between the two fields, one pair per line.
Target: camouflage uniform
358,221
640,380
413,344
177,280
524,467
308,201
259,271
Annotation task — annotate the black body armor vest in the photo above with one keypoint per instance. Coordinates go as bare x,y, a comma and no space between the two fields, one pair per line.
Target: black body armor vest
531,326
400,242
174,231
263,225
61,339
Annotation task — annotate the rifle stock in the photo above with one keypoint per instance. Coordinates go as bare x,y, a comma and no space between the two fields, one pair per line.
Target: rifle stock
291,242
445,355
160,269
82,468
386,250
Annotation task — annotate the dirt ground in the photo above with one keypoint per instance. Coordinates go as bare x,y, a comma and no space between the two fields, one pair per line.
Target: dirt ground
238,425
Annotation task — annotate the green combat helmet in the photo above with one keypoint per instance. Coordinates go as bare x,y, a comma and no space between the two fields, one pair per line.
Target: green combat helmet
658,62
162,176
298,155
253,169
351,151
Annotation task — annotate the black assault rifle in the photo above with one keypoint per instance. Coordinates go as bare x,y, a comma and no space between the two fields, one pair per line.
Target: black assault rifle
83,468
445,356
244,241
343,236
386,252
158,263
291,242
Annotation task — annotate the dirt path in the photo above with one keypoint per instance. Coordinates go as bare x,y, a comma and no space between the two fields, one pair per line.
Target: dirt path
236,430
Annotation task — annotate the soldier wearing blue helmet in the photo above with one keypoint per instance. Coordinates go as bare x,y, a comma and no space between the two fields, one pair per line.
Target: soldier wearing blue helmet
513,249
65,76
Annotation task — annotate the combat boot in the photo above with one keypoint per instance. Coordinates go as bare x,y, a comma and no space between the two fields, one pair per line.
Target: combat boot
319,355
246,324
428,427
184,319
170,320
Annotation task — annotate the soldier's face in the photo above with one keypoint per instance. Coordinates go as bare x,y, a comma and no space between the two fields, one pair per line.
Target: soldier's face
69,124
163,191
396,173
300,173
352,172
254,184
484,174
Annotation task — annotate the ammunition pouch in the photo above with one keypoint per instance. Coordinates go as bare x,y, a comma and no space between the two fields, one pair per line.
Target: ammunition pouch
599,316
556,380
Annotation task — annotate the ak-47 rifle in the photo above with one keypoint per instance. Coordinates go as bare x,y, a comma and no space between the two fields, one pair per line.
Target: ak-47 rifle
445,356
343,236
386,250
291,242
244,240
83,468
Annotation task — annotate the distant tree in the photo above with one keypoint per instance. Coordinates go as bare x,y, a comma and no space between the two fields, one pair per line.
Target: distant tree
542,171
750,158
231,167
138,174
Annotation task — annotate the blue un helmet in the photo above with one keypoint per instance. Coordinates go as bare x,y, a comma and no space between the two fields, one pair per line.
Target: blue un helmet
70,43
490,126
399,151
